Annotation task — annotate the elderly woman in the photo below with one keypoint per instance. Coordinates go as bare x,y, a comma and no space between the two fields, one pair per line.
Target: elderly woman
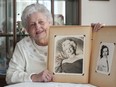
30,55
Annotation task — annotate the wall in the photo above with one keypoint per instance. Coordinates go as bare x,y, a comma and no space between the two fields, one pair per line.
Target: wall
98,11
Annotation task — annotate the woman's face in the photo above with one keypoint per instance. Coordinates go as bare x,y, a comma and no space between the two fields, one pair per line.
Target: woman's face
69,50
105,52
38,27
67,47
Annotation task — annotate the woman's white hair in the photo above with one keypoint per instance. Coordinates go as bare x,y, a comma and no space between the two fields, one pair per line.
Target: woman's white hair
30,9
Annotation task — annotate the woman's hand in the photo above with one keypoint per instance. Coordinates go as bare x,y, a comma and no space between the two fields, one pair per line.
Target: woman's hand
97,26
44,76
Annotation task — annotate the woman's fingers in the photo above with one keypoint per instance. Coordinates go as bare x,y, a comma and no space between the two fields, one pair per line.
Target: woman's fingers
97,26
47,76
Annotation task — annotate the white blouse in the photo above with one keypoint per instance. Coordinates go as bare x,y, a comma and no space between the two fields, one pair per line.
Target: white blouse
28,58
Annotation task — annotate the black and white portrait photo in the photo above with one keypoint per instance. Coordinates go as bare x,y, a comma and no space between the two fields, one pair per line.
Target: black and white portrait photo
69,54
105,57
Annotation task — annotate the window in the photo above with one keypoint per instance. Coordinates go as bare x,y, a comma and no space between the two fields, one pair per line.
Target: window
65,12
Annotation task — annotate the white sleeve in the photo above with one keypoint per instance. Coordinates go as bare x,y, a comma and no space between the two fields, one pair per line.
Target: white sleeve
16,71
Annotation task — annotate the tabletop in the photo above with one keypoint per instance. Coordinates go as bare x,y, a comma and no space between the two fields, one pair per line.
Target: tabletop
49,84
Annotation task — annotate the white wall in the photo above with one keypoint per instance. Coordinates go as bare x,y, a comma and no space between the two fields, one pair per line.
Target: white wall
98,11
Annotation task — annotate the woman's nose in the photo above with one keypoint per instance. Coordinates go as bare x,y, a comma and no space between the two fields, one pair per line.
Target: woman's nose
38,26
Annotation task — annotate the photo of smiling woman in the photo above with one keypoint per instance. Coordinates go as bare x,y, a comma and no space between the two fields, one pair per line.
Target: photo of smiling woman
69,54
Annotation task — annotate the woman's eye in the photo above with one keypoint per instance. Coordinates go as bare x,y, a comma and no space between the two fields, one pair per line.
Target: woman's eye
33,24
41,22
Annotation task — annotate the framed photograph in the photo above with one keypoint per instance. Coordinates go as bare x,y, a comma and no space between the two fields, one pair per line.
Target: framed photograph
105,58
104,43
69,53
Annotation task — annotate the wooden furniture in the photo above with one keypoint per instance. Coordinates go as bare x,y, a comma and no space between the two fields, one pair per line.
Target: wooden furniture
2,81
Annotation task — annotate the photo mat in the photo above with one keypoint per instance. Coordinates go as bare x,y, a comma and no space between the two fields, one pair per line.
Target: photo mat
69,53
106,36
